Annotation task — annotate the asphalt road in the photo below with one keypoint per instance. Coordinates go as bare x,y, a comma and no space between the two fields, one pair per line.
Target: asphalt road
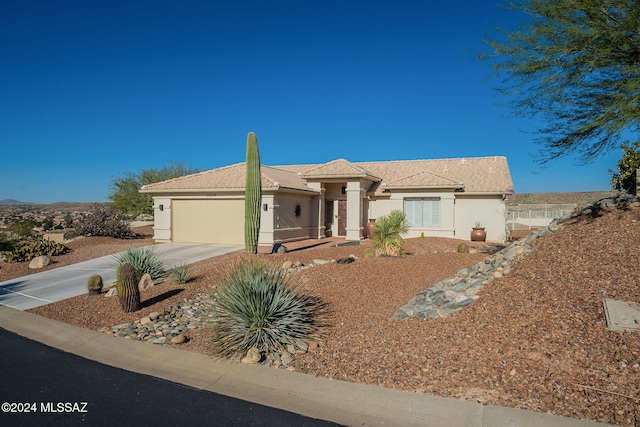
62,389
69,281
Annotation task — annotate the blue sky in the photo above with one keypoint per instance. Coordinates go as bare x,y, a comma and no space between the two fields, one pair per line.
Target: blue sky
94,89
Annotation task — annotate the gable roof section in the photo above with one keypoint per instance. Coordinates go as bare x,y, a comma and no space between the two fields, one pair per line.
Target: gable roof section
339,168
228,178
471,175
476,174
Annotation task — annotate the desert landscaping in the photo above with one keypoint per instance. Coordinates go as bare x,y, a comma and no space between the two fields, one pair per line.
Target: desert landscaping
535,339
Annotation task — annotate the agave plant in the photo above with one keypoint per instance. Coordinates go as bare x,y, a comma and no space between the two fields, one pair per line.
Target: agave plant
387,238
144,260
180,274
257,306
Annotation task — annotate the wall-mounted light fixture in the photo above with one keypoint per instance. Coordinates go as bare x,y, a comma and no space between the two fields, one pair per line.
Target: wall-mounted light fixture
265,207
161,207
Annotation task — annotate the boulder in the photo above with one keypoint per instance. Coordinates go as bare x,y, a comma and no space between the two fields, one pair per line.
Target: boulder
179,339
112,292
253,356
145,282
40,262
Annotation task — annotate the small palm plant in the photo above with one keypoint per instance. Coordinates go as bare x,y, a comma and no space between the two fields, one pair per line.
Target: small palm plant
387,239
144,260
257,306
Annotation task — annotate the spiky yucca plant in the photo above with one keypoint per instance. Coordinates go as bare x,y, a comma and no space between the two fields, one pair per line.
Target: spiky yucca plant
180,274
387,238
257,306
144,260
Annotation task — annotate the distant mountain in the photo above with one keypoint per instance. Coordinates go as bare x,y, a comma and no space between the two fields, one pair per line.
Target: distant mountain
13,202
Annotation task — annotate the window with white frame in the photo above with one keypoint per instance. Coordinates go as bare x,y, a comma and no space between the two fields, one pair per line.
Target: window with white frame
423,212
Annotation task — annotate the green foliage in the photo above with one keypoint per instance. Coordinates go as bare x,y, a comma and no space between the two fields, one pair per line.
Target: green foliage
103,221
625,178
125,196
463,248
369,253
253,196
256,306
144,260
180,274
29,251
576,65
94,284
22,228
127,286
387,238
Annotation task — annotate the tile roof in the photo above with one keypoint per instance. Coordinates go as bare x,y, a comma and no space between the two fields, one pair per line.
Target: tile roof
473,175
229,178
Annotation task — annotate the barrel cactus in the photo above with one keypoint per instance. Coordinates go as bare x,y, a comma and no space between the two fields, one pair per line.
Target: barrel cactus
127,285
253,196
94,285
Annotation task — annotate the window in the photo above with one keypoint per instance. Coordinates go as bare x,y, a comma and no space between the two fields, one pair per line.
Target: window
423,212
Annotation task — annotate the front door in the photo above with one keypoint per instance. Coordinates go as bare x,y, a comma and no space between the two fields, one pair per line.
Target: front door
342,217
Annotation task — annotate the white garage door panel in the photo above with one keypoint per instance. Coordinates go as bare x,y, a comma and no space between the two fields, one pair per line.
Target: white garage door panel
208,221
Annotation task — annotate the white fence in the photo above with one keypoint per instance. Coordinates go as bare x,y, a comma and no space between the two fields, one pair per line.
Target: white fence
522,217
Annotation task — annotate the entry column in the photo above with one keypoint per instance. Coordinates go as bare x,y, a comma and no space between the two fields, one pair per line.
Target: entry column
354,210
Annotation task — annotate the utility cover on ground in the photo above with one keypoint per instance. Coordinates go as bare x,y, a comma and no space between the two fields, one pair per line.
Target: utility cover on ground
622,316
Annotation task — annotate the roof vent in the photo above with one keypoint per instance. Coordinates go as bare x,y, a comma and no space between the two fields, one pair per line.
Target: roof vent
463,161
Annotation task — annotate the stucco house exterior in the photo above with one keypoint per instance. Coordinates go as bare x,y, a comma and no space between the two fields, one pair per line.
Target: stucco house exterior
441,197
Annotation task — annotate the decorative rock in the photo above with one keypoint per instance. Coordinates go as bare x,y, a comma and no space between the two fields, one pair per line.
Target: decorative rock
287,265
40,262
154,315
145,282
320,261
145,320
286,358
179,339
452,294
112,292
253,356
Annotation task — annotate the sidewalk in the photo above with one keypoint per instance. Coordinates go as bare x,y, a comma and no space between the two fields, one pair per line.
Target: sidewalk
321,398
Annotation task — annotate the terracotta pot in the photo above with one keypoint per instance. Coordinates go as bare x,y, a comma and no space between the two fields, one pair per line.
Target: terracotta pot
371,227
478,235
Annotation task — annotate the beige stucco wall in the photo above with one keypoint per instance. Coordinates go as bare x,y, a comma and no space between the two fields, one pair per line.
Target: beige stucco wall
458,213
286,225
489,210
379,206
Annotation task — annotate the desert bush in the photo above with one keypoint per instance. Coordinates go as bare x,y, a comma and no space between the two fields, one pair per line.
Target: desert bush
144,260
180,274
257,306
104,221
387,238
28,251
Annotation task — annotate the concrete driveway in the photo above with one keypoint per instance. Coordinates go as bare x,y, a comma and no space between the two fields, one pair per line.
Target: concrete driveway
69,281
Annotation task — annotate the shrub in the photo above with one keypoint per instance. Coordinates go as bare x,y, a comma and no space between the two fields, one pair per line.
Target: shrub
387,238
369,253
256,306
29,251
144,260
104,221
180,274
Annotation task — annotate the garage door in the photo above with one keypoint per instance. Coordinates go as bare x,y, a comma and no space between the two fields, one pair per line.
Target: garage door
208,221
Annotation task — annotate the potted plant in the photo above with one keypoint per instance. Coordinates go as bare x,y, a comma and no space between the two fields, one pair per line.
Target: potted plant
478,234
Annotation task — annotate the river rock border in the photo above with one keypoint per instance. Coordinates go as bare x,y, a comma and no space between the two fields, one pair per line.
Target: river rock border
453,294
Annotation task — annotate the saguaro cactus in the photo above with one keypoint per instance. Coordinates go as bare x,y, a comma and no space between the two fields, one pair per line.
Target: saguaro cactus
253,196
127,285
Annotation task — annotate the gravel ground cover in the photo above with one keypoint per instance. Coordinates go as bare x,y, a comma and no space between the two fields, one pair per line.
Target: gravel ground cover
535,339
